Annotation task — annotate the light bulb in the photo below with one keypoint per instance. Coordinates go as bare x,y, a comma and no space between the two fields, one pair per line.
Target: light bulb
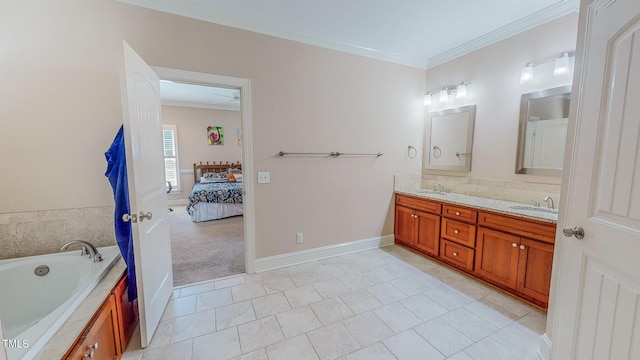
461,91
427,99
527,73
444,95
562,65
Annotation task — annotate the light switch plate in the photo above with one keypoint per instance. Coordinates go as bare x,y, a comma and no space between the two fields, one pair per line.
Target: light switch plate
264,177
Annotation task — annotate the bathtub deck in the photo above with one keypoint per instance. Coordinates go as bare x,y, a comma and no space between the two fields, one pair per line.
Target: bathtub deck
64,338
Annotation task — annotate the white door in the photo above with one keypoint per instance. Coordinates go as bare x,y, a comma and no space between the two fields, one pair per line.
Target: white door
147,193
596,311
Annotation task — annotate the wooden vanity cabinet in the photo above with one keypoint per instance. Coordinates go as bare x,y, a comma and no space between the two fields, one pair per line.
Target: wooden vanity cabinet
417,224
109,330
509,252
100,339
127,312
513,261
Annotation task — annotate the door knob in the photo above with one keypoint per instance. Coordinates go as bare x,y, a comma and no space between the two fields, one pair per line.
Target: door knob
577,231
143,216
130,217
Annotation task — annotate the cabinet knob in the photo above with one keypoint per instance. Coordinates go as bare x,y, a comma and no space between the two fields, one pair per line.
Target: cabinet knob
457,213
456,231
455,254
94,346
88,355
522,247
514,244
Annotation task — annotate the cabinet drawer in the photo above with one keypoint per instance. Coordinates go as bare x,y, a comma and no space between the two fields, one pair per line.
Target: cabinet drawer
459,232
523,227
419,204
459,213
457,254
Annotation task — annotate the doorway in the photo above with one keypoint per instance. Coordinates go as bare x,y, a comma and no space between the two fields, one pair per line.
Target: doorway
222,246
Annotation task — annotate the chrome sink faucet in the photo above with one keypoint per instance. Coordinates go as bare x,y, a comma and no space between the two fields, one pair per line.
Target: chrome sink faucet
87,248
438,188
549,202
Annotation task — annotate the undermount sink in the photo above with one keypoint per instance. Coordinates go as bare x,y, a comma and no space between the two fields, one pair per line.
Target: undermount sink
430,192
535,208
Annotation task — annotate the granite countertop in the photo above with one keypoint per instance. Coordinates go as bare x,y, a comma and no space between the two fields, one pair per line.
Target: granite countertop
500,206
73,326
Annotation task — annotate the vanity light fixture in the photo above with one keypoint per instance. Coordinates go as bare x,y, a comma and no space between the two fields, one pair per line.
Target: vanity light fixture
427,99
561,67
562,64
443,94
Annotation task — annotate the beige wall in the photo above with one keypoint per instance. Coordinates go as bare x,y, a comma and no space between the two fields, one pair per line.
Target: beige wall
192,140
494,73
60,108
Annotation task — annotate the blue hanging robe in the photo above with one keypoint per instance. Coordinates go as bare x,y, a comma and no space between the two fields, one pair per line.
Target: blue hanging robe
117,174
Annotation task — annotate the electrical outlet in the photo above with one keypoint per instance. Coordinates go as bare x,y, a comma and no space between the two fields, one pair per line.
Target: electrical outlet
264,177
299,238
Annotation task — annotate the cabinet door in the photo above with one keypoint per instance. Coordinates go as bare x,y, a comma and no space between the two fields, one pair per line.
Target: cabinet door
497,256
428,239
405,225
534,273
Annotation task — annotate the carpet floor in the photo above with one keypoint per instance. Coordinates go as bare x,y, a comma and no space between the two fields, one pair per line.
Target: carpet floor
205,250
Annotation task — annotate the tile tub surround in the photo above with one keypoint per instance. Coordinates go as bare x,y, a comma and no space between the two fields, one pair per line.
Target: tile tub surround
500,206
516,191
387,303
43,232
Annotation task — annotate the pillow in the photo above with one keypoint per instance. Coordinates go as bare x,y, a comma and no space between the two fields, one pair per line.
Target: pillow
234,170
234,177
221,175
204,180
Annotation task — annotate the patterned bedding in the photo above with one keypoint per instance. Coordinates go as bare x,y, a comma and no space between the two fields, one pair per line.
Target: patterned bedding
228,193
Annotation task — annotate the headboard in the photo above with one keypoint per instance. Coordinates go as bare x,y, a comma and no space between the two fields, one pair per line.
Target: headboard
200,169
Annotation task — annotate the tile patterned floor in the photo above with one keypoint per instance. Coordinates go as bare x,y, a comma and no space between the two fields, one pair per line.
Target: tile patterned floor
388,303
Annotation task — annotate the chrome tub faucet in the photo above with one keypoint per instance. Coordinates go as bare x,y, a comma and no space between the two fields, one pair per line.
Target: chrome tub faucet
87,248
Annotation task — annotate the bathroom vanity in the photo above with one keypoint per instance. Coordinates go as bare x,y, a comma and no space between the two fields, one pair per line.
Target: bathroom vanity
107,333
500,243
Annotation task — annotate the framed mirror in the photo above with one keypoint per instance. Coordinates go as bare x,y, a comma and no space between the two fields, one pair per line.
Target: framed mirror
449,134
544,117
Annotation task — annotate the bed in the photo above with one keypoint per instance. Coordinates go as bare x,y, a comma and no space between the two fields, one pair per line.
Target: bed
215,194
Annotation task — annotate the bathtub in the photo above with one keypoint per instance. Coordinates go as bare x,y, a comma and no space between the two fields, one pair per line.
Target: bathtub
32,307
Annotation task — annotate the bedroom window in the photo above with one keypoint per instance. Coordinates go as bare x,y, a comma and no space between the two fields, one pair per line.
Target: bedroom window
170,143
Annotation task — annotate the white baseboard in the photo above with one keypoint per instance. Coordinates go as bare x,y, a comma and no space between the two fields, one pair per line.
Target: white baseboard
299,257
178,202
544,353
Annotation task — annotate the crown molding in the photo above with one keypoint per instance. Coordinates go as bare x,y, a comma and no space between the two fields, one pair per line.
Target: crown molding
534,20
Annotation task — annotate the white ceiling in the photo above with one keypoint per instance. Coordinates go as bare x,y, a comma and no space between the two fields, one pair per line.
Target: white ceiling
190,95
419,33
